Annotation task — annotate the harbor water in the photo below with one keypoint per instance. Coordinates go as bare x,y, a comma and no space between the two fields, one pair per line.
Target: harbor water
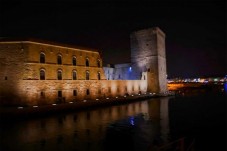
146,125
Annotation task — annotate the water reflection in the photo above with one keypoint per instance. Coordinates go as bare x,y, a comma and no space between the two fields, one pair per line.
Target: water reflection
135,126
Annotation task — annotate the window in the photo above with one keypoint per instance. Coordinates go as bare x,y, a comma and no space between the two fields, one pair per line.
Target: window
59,59
87,75
74,75
88,92
42,94
87,62
59,74
99,76
109,90
59,94
42,74
74,61
42,57
74,92
5,78
98,63
144,77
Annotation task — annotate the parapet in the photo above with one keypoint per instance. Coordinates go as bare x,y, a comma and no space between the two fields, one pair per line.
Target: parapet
153,30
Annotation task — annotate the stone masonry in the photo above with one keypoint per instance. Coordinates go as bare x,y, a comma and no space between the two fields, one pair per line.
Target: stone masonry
34,72
38,73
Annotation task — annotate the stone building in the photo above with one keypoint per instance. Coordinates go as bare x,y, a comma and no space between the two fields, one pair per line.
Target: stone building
34,72
148,60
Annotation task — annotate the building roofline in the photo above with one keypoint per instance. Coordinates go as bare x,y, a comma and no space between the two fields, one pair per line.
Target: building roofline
155,30
46,42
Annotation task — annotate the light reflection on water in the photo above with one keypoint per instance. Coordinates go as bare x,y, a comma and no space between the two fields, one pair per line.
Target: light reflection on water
136,126
116,127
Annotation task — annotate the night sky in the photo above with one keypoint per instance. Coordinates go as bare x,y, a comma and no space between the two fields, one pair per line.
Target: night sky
195,30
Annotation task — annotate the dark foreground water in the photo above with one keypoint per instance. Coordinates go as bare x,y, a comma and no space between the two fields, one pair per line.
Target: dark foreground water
138,126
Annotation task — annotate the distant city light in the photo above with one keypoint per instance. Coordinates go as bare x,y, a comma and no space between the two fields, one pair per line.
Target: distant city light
20,107
200,80
35,106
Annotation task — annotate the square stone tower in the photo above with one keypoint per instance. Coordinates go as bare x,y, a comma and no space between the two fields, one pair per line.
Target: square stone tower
148,58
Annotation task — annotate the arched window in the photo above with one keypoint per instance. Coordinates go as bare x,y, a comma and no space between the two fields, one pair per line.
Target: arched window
88,92
42,58
59,59
87,75
87,62
74,92
99,76
74,75
42,74
59,74
98,63
74,60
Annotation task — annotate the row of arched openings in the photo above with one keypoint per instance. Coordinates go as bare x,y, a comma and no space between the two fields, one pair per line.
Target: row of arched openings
74,75
74,60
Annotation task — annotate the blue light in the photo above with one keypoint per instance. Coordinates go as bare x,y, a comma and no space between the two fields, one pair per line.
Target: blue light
130,69
225,87
132,120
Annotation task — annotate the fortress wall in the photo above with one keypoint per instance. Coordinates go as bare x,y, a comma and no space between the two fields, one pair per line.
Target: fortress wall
148,55
51,67
12,59
20,65
20,68
32,72
40,92
51,52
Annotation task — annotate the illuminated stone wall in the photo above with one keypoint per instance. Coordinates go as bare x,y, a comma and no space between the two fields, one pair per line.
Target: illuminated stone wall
118,72
51,65
22,67
109,72
12,60
20,82
35,92
148,55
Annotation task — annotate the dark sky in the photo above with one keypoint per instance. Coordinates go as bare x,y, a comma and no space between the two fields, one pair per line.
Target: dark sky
195,29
